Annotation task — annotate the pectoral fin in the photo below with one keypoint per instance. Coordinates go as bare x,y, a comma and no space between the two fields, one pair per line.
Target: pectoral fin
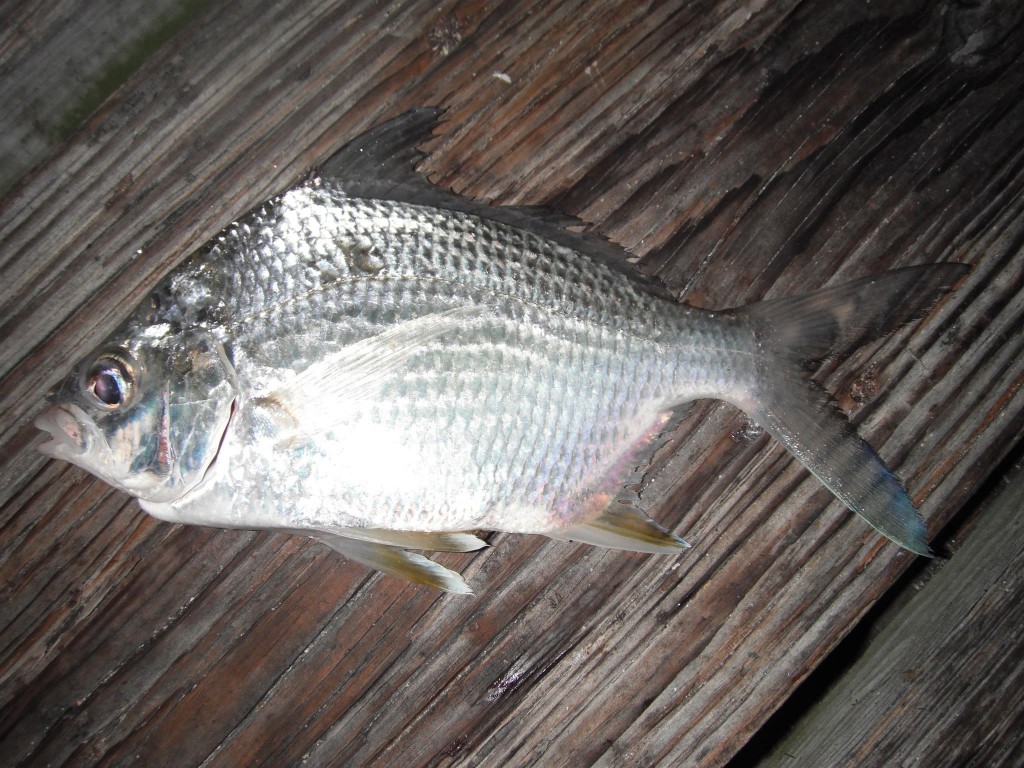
396,562
324,394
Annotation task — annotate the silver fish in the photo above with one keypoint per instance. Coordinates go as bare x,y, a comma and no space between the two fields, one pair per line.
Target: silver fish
381,365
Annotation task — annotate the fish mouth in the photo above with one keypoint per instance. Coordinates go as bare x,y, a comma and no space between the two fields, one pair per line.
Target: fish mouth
69,439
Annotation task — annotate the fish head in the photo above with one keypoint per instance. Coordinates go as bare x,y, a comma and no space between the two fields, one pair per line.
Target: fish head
146,413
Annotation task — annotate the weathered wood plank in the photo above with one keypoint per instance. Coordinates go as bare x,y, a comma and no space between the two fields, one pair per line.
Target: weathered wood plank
740,150
957,641
57,64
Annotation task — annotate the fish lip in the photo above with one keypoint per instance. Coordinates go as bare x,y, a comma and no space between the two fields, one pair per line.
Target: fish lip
66,430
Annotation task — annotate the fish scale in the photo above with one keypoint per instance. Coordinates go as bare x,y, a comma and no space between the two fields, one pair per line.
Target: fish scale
379,364
413,242
421,254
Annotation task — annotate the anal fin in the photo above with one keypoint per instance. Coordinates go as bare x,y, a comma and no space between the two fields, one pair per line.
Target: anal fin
454,541
394,561
624,527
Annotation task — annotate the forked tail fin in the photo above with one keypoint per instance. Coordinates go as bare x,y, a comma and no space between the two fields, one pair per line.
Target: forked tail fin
800,414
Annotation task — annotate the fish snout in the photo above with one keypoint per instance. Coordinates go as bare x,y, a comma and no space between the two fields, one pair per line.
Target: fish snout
69,437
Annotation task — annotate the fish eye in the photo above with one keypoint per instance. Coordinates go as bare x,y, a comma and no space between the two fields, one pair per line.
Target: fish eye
109,382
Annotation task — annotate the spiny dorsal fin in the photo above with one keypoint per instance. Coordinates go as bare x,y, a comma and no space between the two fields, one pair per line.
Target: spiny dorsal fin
624,527
396,562
388,152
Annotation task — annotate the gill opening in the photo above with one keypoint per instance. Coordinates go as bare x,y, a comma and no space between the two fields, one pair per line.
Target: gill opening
223,437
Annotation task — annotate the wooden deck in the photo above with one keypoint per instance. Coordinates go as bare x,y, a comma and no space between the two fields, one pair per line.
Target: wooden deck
740,150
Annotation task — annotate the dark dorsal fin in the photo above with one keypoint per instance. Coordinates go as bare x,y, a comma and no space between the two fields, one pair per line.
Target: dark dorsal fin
387,153
380,164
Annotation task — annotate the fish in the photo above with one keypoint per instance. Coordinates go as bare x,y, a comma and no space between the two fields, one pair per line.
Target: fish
389,368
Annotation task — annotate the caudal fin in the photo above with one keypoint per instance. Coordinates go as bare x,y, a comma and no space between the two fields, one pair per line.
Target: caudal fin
800,414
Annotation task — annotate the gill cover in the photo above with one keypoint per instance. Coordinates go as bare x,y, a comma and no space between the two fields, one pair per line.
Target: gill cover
146,418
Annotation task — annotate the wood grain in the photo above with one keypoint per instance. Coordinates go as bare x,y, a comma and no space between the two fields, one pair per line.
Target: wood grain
739,150
958,640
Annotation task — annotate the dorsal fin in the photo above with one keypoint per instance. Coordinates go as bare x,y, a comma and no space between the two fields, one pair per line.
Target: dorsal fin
380,164
387,153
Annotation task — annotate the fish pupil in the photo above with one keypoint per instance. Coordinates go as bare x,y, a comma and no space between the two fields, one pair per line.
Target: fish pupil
109,381
107,389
